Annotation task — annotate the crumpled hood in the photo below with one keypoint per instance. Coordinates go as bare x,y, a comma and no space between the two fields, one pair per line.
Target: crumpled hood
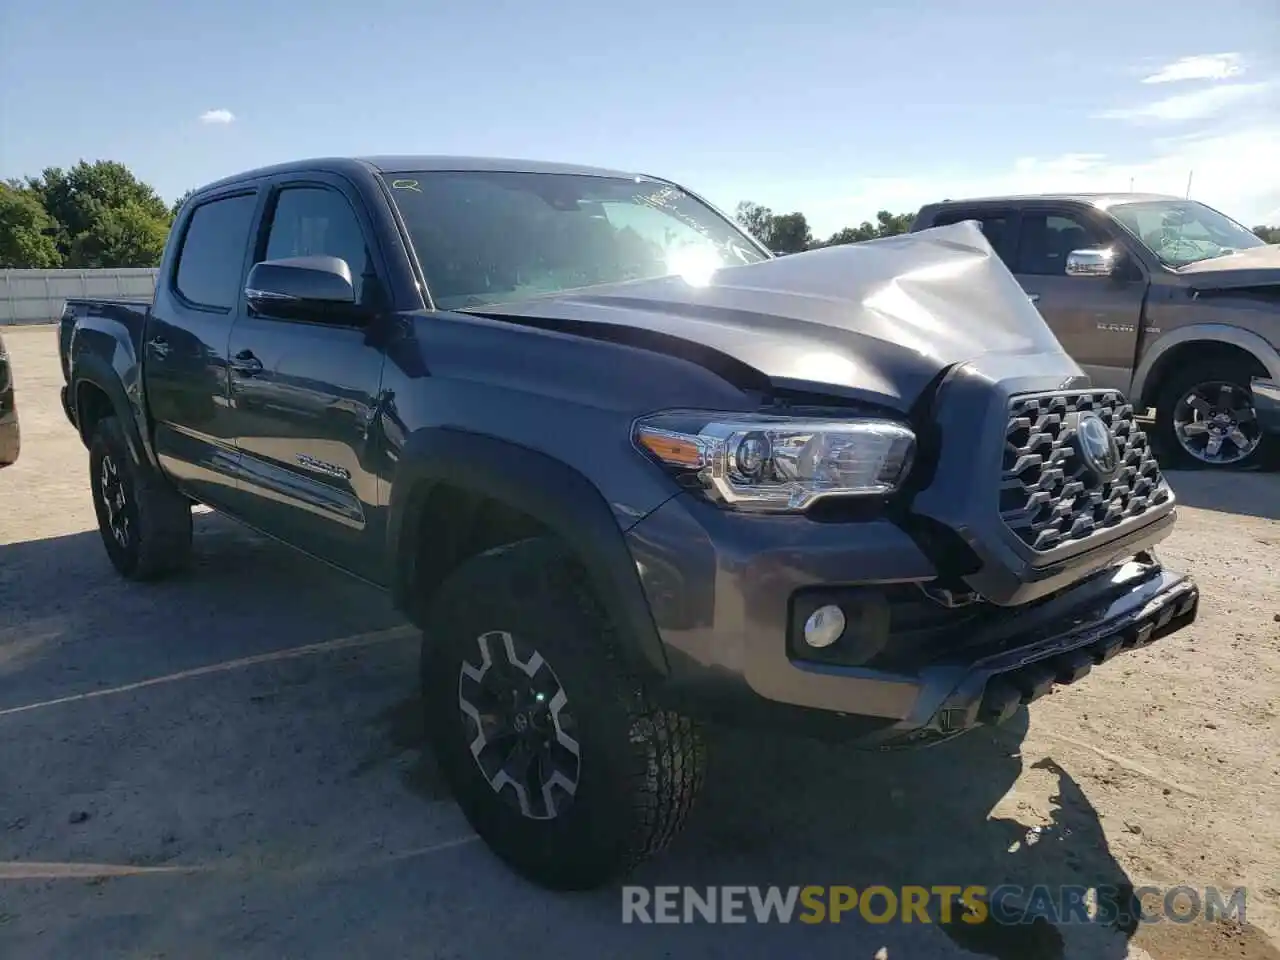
1257,266
878,319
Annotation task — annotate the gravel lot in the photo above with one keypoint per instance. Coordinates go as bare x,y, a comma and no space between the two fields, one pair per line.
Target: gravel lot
261,800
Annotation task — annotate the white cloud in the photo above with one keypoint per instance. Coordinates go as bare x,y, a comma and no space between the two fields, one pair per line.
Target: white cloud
1234,171
1206,66
1201,104
220,116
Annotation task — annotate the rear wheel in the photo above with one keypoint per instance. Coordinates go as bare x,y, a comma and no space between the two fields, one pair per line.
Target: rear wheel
145,523
553,752
1205,417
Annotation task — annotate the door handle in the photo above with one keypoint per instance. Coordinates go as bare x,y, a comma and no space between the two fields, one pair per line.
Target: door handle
159,346
246,364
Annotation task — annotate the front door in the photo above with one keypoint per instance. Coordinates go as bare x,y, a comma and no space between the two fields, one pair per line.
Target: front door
1095,319
305,394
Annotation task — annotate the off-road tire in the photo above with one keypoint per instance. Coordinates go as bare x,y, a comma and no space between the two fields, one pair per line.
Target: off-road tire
639,768
1215,370
156,539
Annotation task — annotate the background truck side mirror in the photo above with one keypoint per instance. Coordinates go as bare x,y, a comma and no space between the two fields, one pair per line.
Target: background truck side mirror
1100,262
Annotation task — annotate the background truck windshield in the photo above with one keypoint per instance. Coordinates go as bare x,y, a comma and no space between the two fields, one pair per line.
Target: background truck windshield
487,237
1183,231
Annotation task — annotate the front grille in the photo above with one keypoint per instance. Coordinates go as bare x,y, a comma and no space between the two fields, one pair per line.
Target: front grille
1048,495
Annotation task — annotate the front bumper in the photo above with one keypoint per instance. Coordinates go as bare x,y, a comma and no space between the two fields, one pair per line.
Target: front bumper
1266,403
10,438
723,590
1139,604
10,433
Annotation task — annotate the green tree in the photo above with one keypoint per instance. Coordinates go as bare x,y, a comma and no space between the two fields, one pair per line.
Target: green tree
105,216
1268,234
177,204
852,235
891,224
756,219
790,233
887,225
26,231
124,236
781,233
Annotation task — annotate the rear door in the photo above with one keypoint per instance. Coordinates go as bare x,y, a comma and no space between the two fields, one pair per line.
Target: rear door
1094,318
185,348
306,393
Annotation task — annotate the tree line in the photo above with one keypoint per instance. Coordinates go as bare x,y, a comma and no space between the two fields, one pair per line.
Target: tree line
101,215
92,215
790,233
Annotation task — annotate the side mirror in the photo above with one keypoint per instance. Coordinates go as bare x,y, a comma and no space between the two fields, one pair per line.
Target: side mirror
307,287
1102,262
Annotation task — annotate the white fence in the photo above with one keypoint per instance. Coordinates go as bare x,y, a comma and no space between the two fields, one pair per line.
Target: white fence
36,296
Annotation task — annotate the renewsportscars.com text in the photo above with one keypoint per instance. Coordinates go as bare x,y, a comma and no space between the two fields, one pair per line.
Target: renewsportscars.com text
1007,904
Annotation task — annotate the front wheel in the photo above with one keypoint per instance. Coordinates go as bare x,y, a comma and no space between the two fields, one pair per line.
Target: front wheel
1205,418
551,748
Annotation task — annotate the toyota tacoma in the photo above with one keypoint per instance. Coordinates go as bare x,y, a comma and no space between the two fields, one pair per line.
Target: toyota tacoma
629,472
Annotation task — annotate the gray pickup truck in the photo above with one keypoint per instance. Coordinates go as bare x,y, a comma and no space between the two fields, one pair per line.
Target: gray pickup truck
1167,300
628,471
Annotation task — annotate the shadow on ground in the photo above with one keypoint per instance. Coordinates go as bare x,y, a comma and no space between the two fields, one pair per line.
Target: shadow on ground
785,812
68,623
1252,494
775,812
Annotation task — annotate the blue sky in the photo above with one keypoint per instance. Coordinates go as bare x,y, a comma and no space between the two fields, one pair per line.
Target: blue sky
836,108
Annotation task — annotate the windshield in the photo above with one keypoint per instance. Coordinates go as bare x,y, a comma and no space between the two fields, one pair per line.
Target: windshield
487,237
1183,231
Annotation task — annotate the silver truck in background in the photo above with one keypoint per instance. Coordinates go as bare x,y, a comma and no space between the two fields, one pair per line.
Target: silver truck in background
1166,300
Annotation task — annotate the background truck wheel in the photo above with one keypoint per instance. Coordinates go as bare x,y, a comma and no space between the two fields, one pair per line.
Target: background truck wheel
552,750
145,523
1205,417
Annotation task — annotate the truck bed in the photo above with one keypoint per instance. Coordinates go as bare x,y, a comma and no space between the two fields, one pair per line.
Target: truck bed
86,313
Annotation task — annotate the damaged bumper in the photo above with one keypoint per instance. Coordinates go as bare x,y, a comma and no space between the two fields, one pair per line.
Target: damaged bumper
1134,605
730,600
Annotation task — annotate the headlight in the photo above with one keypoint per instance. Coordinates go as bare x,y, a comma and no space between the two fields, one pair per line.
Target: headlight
779,464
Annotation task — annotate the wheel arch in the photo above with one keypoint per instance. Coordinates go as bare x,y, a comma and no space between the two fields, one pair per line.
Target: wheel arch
97,391
1167,354
554,498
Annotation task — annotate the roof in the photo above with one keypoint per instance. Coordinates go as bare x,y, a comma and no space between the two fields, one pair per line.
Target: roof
396,164
418,164
1100,200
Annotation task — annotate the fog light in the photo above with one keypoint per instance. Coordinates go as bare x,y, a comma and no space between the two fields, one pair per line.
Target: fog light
824,626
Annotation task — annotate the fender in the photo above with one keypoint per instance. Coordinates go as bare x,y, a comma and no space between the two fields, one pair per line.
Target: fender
1217,332
556,495
90,367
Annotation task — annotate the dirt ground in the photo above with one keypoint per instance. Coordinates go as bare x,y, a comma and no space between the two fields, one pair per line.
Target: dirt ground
229,764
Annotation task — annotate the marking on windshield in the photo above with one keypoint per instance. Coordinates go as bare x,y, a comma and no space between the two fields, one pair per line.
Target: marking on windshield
405,185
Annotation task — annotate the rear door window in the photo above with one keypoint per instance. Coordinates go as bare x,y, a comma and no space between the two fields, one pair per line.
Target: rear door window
1045,239
213,249
995,226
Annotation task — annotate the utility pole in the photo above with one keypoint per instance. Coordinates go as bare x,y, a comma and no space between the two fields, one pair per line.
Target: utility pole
1190,174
